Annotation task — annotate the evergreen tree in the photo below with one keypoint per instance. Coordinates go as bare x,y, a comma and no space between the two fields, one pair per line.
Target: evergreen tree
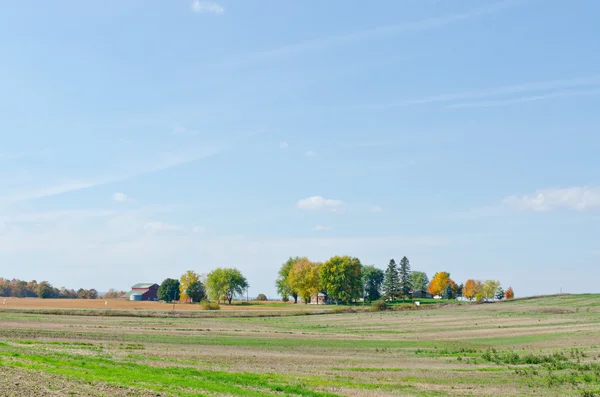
448,292
405,281
499,294
391,282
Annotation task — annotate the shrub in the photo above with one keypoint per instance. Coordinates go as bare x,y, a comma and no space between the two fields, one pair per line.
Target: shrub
343,309
209,306
404,306
261,297
379,306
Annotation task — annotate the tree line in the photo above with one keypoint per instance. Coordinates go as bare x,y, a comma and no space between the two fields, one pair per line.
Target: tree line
22,289
219,285
345,279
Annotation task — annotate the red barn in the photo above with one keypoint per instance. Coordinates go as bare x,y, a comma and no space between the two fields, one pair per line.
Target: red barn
143,291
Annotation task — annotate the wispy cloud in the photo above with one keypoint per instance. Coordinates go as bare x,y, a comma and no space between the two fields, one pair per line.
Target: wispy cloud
283,145
319,203
197,229
533,98
207,7
543,90
321,228
376,209
543,200
310,153
122,198
324,43
165,161
162,227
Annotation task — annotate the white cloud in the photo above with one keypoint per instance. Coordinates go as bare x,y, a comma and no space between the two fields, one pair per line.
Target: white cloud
283,145
320,228
207,6
316,203
572,198
197,229
376,209
122,198
310,153
161,227
181,130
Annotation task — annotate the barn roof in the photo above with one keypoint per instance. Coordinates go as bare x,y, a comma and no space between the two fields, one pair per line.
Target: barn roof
138,291
143,285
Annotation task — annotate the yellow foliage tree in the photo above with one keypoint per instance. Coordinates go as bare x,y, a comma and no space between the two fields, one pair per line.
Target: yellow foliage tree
304,278
186,279
438,283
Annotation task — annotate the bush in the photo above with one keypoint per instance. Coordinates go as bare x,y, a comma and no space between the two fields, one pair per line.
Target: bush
343,309
209,306
379,306
405,306
261,297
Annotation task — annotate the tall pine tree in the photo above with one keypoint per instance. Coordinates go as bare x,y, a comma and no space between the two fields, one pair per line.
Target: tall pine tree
405,281
391,281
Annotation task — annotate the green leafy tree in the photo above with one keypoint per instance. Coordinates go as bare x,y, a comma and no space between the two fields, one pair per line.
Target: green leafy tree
404,273
45,290
419,281
341,278
169,290
304,278
283,284
195,291
225,283
372,279
499,293
391,281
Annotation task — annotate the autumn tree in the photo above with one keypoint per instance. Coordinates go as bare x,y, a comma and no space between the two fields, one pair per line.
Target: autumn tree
404,275
509,294
419,281
111,294
372,279
340,277
488,289
282,283
185,280
225,283
471,289
304,278
438,283
391,281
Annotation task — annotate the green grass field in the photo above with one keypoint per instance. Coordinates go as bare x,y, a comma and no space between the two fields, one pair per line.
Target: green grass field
538,347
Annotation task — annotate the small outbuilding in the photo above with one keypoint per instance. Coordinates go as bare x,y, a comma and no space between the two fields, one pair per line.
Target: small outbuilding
422,294
143,292
320,299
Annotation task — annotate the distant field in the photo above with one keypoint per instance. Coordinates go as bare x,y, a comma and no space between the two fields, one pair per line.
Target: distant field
34,303
540,347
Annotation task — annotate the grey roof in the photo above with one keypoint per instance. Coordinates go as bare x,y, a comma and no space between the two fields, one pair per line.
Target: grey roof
143,285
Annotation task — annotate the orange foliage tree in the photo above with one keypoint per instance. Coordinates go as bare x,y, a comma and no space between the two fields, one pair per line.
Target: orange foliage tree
472,288
438,283
509,294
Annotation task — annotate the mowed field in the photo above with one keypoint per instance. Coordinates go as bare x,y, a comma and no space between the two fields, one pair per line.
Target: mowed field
120,304
539,347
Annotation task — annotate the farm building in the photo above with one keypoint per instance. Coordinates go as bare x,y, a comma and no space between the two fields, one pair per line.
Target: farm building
143,292
422,294
320,299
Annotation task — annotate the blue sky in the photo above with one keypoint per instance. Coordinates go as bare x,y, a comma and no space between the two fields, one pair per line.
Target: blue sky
144,138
